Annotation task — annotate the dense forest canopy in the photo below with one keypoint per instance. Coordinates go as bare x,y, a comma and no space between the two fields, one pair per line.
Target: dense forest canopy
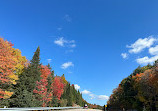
138,91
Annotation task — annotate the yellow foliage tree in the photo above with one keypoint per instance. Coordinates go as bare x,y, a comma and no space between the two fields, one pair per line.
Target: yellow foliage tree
11,65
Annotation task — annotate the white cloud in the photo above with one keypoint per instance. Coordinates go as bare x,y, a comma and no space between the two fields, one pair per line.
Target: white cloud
85,92
124,55
102,97
141,44
66,65
98,97
93,96
67,18
60,41
153,50
65,43
49,60
77,87
146,60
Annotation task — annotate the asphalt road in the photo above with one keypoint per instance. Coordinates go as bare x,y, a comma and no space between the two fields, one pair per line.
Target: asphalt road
81,110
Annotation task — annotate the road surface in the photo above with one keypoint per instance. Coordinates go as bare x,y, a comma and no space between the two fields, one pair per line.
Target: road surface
82,110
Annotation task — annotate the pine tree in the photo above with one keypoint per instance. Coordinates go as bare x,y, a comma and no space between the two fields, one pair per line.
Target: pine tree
52,74
27,83
79,98
34,70
74,93
69,95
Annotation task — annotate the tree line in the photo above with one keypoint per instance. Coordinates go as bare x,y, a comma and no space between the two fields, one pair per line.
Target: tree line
25,83
138,91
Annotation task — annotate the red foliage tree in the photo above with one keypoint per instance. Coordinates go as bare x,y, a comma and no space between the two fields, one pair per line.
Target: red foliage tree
58,87
41,87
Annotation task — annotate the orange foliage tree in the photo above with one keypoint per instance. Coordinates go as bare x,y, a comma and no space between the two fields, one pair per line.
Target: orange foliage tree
11,64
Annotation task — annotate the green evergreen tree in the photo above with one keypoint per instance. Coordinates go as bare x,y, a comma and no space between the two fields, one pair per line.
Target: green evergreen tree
50,79
79,98
64,95
52,74
69,95
23,94
74,93
34,70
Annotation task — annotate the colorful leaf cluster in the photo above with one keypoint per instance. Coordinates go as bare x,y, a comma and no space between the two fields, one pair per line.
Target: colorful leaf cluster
58,87
41,87
11,64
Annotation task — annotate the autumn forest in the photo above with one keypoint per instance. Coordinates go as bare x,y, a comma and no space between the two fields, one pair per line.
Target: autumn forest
27,83
138,91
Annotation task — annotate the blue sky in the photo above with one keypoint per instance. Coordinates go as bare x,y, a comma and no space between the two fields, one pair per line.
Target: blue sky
95,43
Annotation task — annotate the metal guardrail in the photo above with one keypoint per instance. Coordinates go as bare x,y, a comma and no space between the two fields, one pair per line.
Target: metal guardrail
39,108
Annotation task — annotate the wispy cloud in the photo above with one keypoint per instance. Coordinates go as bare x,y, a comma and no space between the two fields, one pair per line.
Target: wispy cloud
66,65
141,44
68,51
102,97
65,43
98,97
67,18
124,55
60,41
49,60
85,92
94,96
59,28
73,45
77,87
